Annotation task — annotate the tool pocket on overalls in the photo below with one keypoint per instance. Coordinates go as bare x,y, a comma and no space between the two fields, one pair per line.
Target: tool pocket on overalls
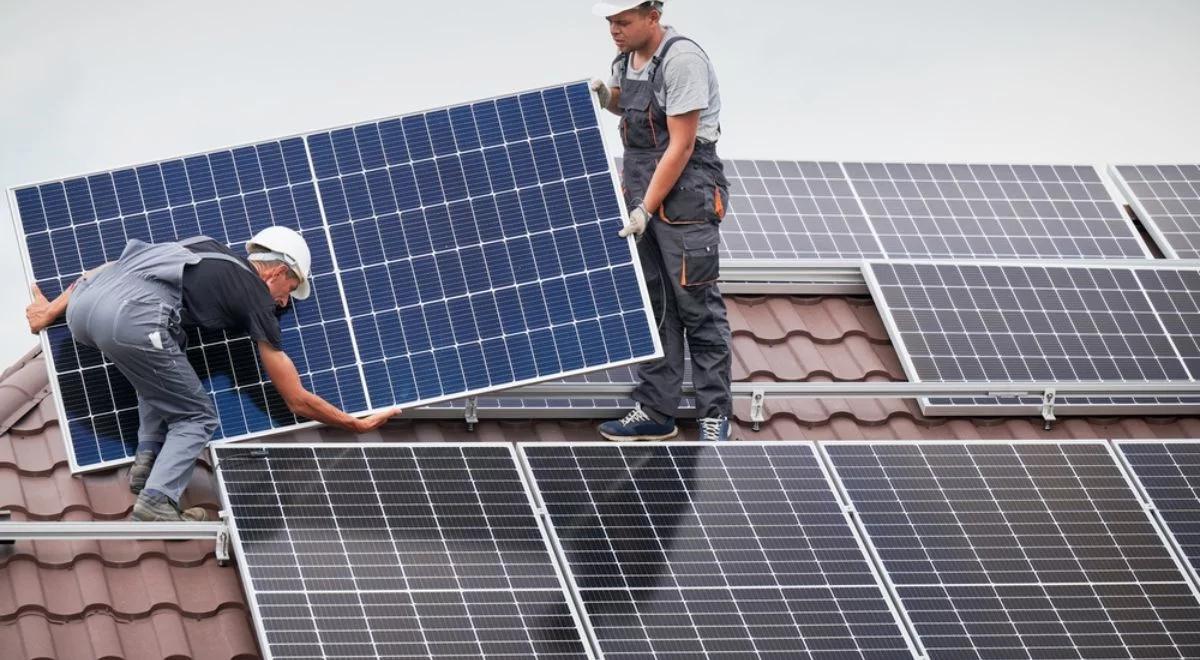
141,323
701,258
696,198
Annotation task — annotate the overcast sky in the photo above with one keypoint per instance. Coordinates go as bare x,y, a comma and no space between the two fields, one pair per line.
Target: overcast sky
94,85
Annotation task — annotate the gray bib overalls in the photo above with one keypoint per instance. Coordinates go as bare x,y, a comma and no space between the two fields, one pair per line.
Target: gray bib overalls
130,311
679,252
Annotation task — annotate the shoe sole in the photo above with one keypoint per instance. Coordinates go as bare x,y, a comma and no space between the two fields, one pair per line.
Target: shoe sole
640,438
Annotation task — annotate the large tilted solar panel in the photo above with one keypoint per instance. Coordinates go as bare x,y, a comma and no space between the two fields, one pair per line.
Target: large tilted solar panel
75,225
956,322
1166,198
712,551
1169,474
1019,550
394,551
929,211
478,247
456,252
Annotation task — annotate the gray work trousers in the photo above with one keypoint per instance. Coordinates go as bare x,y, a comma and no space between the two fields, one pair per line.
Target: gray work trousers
134,321
681,266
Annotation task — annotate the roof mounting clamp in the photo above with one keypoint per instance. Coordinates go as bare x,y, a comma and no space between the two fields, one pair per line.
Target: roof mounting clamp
471,412
758,409
223,542
1048,417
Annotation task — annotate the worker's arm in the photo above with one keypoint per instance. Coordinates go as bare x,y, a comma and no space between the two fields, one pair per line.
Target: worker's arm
614,103
682,129
42,313
303,403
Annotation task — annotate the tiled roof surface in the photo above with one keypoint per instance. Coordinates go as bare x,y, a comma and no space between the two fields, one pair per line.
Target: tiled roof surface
124,599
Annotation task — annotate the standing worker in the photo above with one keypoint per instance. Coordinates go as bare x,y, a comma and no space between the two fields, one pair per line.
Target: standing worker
135,310
664,88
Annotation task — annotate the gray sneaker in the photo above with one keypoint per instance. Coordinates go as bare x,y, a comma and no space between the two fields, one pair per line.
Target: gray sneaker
140,472
156,507
714,429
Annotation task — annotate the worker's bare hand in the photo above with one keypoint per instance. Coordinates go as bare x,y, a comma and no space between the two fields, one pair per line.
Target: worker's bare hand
375,421
38,312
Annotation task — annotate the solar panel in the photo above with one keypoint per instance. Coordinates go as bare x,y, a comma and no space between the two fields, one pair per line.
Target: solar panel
1000,322
74,225
394,550
456,252
794,210
1169,474
702,550
939,210
1019,550
1166,198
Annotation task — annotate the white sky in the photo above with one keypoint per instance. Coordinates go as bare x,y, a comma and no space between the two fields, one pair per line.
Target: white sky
94,85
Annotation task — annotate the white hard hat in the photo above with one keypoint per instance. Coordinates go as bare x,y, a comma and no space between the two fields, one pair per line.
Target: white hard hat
288,244
609,8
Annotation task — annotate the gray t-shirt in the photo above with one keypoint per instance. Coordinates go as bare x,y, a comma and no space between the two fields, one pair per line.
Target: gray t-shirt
690,83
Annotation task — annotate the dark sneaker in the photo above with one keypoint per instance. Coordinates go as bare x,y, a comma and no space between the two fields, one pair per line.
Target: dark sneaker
637,425
714,429
140,472
155,507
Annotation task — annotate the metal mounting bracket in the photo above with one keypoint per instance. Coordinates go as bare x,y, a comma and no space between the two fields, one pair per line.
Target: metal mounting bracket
1048,417
471,412
758,412
223,541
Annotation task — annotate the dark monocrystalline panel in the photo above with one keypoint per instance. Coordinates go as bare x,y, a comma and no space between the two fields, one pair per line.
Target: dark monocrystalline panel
72,226
1022,550
737,550
393,550
1166,199
929,211
1175,297
478,246
793,210
1019,323
1169,472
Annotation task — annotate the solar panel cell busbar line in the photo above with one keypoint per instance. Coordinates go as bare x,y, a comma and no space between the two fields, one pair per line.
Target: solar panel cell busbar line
1168,472
456,251
394,551
1021,550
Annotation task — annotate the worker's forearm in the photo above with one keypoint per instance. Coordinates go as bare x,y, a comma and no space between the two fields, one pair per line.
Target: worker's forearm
666,174
317,409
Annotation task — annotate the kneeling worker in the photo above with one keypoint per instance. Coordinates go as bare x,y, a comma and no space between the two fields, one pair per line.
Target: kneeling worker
135,311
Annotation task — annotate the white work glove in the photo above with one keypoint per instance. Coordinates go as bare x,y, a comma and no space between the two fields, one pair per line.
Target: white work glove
602,92
636,224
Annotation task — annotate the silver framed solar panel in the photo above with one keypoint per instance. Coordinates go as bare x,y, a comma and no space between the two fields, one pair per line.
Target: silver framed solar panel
1126,402
1174,190
1177,601
1190,561
247,578
572,104
903,629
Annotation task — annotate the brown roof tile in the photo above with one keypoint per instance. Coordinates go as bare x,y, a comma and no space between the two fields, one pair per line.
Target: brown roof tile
128,599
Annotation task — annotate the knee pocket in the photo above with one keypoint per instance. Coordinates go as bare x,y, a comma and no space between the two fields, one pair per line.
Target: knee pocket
701,259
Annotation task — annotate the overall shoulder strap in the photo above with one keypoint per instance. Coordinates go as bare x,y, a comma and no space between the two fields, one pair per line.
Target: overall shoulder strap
621,61
214,255
658,60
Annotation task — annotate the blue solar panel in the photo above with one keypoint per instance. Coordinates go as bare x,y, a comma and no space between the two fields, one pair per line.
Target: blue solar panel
476,246
455,252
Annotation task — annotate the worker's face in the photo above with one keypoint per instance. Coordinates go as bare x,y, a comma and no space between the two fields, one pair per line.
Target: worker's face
633,29
281,281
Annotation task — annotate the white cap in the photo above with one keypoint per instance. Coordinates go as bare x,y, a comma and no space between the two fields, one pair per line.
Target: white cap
276,242
609,8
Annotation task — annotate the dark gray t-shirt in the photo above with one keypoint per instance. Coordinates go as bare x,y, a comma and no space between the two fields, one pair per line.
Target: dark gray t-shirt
219,295
690,83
